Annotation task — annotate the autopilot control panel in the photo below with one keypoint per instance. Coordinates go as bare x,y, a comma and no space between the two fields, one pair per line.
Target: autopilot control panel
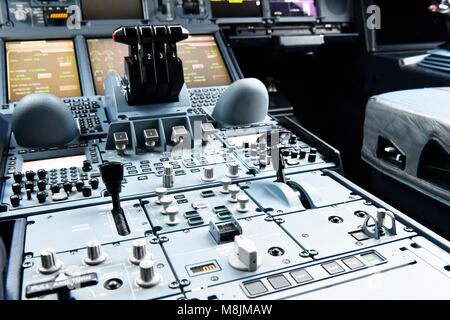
142,164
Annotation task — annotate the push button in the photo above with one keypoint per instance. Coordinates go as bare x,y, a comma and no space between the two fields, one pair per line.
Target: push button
279,282
255,288
332,268
353,263
301,276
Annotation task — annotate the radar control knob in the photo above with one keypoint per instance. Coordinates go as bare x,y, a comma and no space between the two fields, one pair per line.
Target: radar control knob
172,219
243,201
30,175
160,192
14,200
225,184
42,174
67,186
49,262
41,184
147,275
94,253
165,201
233,190
79,185
139,252
42,196
18,176
94,183
16,188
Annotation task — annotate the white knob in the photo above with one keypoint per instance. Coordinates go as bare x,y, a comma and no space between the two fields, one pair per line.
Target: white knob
233,190
172,219
20,15
160,192
242,200
225,184
165,201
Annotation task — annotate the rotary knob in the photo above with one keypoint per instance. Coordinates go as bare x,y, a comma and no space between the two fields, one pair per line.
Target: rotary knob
94,253
41,184
30,175
208,174
16,188
42,174
233,170
168,176
139,252
147,276
49,262
18,176
94,183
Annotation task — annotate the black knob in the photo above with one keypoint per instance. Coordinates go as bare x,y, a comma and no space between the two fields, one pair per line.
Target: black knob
42,196
302,153
67,186
293,140
294,154
30,175
15,200
285,153
112,175
16,188
18,176
29,186
246,145
29,194
41,184
54,188
87,166
312,155
79,185
94,183
87,191
41,173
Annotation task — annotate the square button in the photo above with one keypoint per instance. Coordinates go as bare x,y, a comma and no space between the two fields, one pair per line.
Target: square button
372,258
301,276
333,268
255,288
279,282
353,263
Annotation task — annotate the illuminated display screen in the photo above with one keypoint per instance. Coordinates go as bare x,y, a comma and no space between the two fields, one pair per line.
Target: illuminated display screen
111,9
42,67
293,8
202,62
236,8
107,56
203,268
54,163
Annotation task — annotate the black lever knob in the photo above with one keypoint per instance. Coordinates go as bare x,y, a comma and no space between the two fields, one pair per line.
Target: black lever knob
55,188
41,196
87,191
79,185
67,186
29,186
94,183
